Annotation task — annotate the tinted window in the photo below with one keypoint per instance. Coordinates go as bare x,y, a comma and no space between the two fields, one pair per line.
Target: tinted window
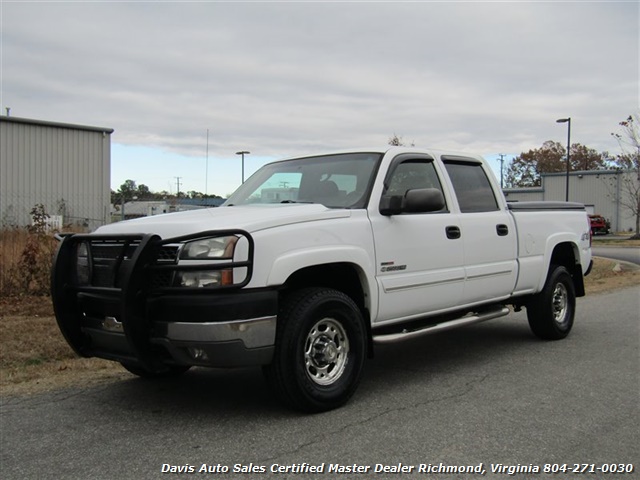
410,175
472,187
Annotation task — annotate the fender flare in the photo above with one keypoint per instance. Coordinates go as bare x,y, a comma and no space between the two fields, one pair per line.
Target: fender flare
553,242
287,264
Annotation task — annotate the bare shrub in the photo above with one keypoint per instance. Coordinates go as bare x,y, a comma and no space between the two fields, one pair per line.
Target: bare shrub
12,243
26,256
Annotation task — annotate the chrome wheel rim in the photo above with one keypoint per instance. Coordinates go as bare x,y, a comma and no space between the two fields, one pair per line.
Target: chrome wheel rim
326,352
560,304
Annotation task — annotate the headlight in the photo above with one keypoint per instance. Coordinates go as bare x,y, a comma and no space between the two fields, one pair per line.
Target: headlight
218,247
210,262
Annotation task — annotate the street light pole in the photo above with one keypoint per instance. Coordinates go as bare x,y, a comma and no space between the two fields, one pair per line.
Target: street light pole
206,170
568,121
242,153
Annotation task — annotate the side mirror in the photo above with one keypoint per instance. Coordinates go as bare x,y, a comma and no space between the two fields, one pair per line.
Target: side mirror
423,200
419,200
391,205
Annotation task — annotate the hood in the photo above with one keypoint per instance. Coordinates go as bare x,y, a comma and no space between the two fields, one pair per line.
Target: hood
250,218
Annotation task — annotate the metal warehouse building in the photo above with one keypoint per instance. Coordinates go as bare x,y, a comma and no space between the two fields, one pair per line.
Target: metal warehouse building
604,192
65,167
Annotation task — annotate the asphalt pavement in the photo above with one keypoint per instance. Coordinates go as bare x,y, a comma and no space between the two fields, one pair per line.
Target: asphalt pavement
625,254
490,395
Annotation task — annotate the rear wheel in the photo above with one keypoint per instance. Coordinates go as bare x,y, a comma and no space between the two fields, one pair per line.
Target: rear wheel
320,350
551,312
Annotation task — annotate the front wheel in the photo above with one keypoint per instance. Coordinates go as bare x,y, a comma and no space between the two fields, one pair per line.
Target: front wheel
320,350
551,312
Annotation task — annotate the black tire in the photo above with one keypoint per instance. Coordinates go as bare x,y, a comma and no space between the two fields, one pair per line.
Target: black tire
320,350
551,312
169,371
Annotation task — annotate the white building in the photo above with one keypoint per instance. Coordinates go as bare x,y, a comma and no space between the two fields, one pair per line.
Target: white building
62,166
604,192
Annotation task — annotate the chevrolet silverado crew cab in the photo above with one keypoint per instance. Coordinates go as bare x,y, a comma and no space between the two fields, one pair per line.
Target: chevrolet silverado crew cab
312,262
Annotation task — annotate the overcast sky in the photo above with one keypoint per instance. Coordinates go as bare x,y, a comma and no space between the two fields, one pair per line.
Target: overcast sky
290,78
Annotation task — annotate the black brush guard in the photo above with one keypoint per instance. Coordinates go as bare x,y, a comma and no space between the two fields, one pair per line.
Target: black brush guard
105,316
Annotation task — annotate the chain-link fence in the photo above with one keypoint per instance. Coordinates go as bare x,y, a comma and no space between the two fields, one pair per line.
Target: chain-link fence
72,211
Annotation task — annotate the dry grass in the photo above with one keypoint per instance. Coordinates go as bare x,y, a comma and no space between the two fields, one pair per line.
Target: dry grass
31,341
42,376
34,356
609,275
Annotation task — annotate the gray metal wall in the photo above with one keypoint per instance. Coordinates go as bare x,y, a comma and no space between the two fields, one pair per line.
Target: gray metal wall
64,167
603,192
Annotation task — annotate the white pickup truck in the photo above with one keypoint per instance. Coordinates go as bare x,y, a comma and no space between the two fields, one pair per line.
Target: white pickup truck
312,262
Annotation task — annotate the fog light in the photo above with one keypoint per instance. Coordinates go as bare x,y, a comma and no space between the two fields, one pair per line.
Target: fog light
198,353
200,279
205,278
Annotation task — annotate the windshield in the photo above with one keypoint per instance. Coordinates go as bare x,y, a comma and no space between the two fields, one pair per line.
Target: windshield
339,181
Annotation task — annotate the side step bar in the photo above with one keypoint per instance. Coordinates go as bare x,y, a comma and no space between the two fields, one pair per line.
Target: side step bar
441,327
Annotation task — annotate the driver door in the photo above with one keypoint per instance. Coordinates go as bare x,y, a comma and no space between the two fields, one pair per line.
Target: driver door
419,256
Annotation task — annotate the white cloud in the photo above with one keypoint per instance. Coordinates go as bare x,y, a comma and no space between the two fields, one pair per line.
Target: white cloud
286,78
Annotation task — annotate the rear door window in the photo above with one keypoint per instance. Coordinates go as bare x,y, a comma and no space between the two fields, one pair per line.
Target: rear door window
471,185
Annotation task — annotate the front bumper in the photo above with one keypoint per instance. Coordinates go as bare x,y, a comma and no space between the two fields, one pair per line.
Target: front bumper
224,330
225,344
128,317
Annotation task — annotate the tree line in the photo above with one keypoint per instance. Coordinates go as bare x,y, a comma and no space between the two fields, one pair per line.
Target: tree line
526,169
130,190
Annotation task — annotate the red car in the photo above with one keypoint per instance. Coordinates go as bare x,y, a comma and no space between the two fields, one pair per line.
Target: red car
599,225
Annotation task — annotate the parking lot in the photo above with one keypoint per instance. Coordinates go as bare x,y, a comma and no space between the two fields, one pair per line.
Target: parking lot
490,394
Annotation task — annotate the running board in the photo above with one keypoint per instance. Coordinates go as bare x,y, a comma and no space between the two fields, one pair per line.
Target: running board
440,327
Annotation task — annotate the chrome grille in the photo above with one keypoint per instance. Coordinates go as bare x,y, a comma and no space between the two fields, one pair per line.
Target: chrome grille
168,254
107,258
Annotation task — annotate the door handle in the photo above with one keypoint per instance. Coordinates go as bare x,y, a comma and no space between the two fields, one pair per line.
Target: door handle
453,232
502,230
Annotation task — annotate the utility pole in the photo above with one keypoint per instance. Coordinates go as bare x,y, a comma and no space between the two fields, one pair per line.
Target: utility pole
206,172
501,165
178,194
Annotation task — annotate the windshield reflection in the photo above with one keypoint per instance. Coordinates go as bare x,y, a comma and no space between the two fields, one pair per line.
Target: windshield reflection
335,181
